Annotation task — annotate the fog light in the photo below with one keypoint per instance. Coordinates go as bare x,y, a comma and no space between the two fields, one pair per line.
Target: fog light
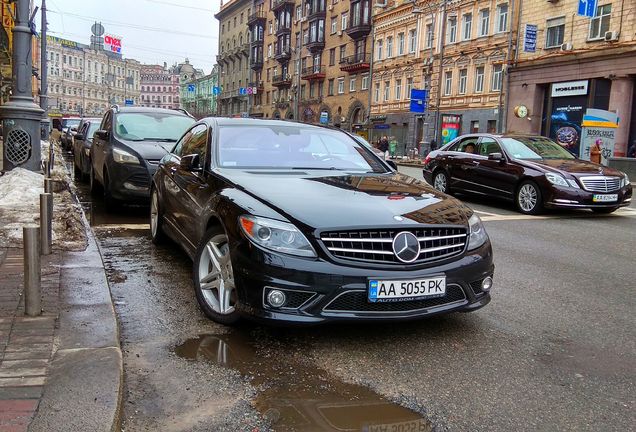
486,284
276,298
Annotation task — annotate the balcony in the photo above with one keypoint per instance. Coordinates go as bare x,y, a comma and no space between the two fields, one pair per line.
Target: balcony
316,13
316,45
280,4
283,54
282,30
256,17
360,62
311,73
358,29
245,49
256,63
281,81
257,42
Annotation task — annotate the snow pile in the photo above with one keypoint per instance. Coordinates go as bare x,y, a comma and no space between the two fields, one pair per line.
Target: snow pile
20,191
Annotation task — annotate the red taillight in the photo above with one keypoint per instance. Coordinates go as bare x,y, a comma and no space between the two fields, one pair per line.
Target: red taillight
427,160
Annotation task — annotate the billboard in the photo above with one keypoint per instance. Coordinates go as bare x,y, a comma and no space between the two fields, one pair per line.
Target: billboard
112,43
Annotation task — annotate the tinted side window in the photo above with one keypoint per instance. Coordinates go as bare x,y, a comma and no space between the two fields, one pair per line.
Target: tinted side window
107,122
197,144
464,145
178,149
488,146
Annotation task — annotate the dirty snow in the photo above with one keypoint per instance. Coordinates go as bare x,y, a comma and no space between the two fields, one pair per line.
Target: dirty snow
20,191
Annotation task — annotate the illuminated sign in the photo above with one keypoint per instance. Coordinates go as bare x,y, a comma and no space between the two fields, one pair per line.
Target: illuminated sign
112,43
64,42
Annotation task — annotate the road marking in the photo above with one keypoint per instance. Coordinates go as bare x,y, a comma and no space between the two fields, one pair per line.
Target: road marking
486,213
618,213
122,227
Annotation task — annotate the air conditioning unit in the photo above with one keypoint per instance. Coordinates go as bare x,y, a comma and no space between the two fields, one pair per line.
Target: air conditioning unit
611,36
566,46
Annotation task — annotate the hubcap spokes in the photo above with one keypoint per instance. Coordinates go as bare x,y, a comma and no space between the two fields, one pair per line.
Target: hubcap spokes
216,277
527,197
440,183
154,214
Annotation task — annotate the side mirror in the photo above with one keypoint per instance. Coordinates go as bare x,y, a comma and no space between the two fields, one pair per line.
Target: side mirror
74,129
496,156
191,162
79,137
102,135
391,164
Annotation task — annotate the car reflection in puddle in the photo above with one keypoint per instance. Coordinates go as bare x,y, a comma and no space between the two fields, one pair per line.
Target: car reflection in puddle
295,395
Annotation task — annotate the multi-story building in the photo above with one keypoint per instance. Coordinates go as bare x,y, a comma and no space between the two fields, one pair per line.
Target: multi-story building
455,49
567,63
159,86
233,56
85,80
186,73
7,12
199,97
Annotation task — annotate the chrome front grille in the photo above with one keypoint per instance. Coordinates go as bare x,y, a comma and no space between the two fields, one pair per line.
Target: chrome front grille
377,245
601,183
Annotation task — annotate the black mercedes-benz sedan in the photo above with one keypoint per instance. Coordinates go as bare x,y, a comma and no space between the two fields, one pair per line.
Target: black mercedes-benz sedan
303,224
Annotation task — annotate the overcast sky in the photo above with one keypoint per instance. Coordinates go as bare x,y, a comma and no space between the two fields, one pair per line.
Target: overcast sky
152,31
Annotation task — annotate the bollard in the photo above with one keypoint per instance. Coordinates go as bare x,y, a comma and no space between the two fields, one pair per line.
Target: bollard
48,185
46,168
32,275
46,220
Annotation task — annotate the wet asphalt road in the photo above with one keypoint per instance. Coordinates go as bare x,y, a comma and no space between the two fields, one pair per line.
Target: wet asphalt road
554,350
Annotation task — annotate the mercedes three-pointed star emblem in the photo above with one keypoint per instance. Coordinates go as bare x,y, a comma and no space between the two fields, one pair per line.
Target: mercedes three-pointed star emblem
406,247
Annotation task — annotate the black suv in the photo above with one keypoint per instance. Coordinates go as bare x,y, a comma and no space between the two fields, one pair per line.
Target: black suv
127,148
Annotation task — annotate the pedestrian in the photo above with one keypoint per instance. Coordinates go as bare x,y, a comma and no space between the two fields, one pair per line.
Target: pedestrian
632,150
384,146
433,144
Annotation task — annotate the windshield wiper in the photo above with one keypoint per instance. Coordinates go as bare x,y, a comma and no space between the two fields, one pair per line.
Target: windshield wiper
314,168
159,139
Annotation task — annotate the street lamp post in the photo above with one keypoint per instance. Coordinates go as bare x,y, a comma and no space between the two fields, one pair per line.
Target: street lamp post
21,116
44,74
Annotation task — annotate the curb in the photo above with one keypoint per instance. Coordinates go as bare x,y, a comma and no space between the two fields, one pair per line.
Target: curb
414,165
84,388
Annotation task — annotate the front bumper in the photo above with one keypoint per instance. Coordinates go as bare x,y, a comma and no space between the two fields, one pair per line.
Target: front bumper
130,182
558,197
324,291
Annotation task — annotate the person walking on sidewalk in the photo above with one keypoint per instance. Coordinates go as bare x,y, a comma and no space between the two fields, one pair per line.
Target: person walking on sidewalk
384,146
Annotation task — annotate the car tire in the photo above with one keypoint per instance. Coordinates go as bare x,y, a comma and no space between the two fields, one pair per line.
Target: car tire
604,210
528,198
94,185
77,171
110,203
440,181
156,219
213,278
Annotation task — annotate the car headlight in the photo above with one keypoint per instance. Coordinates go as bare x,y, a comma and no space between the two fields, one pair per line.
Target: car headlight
478,235
625,181
556,179
122,156
276,235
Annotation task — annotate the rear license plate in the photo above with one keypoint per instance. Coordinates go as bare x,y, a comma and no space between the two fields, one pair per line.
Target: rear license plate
404,290
605,198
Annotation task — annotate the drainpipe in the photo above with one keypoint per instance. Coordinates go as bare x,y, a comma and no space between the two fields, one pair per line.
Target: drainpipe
503,104
438,119
370,80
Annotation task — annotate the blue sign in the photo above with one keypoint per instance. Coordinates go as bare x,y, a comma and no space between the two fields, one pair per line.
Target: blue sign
418,100
530,38
587,8
242,91
191,87
129,102
324,117
381,126
216,90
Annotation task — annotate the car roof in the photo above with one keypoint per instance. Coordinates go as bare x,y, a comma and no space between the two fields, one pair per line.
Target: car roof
227,121
503,135
125,109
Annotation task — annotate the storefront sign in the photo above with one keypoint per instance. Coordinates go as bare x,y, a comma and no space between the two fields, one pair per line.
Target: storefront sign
530,38
64,42
598,135
112,43
570,88
381,126
450,128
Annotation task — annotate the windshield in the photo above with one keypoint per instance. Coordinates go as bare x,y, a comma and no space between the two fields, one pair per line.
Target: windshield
151,126
70,122
293,147
534,148
92,127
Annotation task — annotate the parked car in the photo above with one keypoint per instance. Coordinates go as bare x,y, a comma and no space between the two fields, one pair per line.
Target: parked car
69,129
533,171
299,223
82,143
127,148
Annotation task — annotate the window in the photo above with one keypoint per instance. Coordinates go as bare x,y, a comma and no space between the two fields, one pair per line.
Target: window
341,85
365,82
409,87
502,17
601,21
332,56
479,79
497,77
448,83
412,41
343,51
467,26
334,25
555,31
398,89
378,55
271,27
193,142
451,35
389,47
429,35
463,75
330,87
400,44
377,93
299,12
484,22
344,22
387,91
352,83
269,51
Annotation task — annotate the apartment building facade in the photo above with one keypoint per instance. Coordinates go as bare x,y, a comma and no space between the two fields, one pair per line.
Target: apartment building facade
199,98
568,63
85,81
159,87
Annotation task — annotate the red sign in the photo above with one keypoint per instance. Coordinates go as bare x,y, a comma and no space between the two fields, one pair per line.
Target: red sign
112,43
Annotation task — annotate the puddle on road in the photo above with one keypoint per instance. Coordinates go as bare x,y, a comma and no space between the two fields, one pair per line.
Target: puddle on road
295,395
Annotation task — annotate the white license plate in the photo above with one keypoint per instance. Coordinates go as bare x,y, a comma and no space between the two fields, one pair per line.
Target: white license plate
403,290
605,198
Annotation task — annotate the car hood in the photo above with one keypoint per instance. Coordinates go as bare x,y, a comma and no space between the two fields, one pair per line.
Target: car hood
342,201
150,150
576,167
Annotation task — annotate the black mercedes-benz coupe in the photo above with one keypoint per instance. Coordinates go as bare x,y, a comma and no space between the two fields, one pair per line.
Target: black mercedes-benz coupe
303,224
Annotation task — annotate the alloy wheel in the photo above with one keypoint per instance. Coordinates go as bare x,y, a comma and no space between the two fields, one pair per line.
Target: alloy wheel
154,214
216,278
528,197
440,182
